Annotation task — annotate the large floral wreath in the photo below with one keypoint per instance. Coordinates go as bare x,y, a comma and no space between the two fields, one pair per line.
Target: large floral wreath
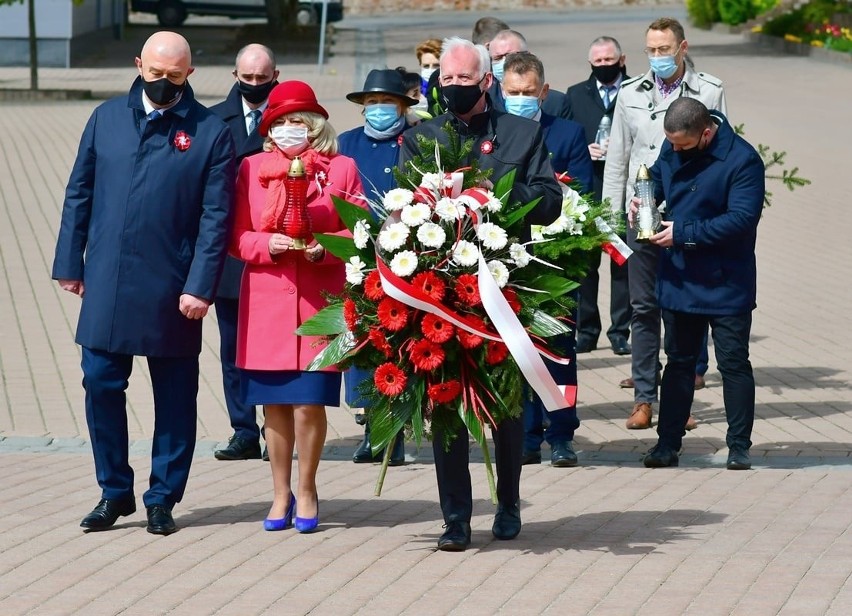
445,304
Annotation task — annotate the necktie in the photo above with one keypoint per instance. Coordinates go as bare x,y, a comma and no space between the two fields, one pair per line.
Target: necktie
154,115
608,92
255,119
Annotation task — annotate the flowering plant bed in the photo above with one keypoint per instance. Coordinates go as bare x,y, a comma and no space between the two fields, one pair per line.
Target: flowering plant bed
448,300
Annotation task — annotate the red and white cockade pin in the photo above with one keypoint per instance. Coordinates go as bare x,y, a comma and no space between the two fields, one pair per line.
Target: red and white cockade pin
486,147
399,139
182,141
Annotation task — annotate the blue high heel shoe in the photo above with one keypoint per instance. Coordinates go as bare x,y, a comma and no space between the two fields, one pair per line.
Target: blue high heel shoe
285,522
307,525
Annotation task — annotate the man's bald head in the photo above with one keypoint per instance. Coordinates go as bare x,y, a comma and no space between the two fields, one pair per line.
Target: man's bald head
255,64
165,54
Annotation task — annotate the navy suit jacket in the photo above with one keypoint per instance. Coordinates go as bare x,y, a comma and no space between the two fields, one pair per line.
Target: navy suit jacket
146,219
568,150
584,105
715,203
231,112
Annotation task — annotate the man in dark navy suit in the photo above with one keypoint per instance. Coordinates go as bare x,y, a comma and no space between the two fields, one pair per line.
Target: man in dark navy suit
524,88
142,241
586,103
255,75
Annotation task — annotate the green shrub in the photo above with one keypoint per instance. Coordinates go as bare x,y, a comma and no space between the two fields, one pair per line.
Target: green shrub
735,12
702,13
799,21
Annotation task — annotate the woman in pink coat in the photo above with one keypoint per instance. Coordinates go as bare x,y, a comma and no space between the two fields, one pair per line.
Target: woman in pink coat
282,287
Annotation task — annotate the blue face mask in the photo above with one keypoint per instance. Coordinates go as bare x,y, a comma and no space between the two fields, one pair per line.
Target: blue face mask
382,116
663,66
524,106
497,69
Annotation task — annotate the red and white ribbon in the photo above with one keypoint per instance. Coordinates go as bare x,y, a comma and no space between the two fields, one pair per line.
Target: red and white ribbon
616,247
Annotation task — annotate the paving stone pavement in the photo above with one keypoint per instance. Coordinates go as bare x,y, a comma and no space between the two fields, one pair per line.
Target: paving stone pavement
608,537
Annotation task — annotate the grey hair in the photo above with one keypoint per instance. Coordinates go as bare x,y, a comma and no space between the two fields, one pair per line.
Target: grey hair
453,43
604,40
263,48
511,34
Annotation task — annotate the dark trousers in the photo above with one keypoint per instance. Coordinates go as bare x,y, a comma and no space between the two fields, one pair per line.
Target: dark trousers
684,335
243,416
562,423
174,381
453,472
589,317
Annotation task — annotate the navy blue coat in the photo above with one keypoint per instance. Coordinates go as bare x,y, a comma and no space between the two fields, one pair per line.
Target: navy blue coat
376,160
569,153
245,144
144,222
715,202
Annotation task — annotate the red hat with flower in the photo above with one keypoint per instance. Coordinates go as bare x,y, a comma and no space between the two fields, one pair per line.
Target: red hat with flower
289,97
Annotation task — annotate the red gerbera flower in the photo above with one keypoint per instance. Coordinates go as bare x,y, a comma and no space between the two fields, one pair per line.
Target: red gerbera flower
431,284
389,379
436,329
393,315
513,300
373,286
496,352
350,314
467,288
380,341
426,355
442,393
467,339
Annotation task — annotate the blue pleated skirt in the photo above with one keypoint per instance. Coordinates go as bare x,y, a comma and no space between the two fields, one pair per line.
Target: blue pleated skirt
290,387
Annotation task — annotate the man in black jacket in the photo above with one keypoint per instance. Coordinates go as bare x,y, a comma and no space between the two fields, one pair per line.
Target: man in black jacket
586,103
502,142
255,75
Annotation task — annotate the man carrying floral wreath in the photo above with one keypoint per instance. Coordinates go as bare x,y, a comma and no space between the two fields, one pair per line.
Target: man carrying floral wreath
501,143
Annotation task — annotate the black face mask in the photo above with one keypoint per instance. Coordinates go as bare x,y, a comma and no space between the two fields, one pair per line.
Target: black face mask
691,154
162,91
461,99
255,94
607,73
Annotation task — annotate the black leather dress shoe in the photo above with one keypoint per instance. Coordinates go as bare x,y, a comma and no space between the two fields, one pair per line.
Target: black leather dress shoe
660,457
364,454
620,346
531,457
456,538
562,455
160,520
585,345
239,449
738,459
107,511
507,521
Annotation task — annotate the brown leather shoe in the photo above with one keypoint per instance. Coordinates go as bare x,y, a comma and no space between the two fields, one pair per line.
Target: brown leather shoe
691,424
640,418
699,383
626,383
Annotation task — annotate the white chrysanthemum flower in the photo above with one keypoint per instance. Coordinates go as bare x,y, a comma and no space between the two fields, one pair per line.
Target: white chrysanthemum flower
432,181
393,236
415,214
494,204
355,270
448,209
431,235
404,263
492,236
361,234
397,198
500,272
465,253
519,255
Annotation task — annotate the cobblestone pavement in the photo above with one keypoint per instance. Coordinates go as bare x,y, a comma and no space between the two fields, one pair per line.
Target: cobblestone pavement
608,537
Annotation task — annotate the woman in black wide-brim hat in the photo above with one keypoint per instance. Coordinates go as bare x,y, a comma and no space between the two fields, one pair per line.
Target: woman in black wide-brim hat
375,148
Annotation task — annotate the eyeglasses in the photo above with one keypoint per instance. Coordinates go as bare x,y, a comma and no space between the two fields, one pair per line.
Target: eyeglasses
665,50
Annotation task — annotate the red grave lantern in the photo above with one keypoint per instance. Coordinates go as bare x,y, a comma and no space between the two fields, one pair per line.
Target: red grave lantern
295,221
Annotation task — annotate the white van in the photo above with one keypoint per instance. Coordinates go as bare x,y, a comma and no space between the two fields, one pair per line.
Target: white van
172,13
